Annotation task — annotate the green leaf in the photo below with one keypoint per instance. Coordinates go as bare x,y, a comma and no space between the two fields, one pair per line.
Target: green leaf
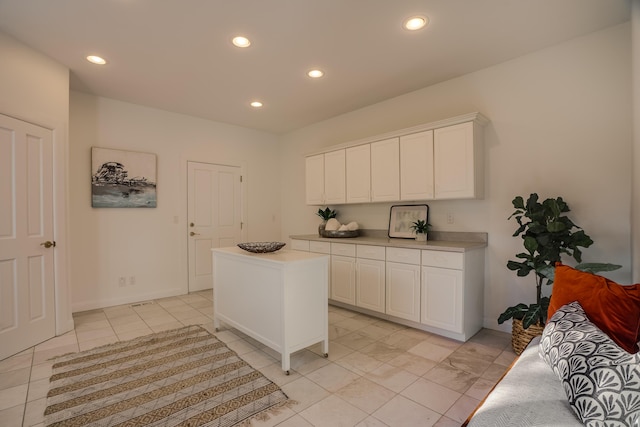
530,244
518,202
532,316
595,267
547,271
532,201
516,312
556,227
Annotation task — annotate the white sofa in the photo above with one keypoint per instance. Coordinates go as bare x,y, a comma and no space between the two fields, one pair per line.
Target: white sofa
530,394
572,375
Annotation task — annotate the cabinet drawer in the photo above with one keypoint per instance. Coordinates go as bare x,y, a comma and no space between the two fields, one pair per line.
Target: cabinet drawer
299,245
443,259
320,247
406,256
343,249
370,252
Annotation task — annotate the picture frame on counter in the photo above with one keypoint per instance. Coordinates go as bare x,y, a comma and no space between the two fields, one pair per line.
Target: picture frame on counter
402,217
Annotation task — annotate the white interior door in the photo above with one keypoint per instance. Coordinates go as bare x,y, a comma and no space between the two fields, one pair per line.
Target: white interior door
27,303
214,215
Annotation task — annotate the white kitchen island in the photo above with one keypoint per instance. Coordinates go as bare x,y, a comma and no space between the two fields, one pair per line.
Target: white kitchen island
279,298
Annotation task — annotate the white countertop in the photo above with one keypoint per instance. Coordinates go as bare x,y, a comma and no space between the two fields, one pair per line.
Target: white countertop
280,256
432,244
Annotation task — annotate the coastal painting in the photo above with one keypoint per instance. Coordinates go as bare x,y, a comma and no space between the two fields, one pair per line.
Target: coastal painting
122,179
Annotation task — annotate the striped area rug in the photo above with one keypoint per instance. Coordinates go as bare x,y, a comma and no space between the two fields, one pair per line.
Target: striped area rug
184,377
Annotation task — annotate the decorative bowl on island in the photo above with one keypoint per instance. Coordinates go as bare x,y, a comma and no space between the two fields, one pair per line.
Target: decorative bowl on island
261,247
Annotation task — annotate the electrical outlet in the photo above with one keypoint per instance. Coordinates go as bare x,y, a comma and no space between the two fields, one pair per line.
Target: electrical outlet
122,281
132,280
449,217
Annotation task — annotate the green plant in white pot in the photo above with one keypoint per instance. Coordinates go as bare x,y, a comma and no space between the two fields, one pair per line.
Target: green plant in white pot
421,227
326,214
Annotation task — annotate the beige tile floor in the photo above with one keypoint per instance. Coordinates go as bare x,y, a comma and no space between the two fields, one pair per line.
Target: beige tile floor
378,373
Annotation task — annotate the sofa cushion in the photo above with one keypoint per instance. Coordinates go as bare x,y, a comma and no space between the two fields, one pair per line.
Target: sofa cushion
614,308
601,380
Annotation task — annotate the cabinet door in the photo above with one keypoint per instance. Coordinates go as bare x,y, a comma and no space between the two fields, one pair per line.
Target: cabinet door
358,174
403,291
370,279
314,179
454,158
334,177
416,166
442,298
343,279
385,170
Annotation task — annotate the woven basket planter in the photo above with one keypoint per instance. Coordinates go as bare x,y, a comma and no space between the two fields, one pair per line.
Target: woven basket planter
521,337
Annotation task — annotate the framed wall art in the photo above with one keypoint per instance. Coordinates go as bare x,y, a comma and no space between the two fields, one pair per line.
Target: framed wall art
122,179
402,217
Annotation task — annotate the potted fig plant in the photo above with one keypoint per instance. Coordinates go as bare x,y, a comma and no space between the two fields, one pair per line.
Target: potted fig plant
547,234
421,227
326,214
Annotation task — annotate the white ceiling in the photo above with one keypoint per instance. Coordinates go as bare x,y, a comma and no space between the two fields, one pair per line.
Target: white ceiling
176,55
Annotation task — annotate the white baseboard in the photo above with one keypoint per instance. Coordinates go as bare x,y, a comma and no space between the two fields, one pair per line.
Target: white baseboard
93,305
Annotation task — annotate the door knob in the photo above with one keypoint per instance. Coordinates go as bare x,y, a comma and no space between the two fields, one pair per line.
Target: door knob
48,244
194,234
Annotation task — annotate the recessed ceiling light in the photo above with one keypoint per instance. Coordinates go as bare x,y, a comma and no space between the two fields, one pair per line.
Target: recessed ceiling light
415,23
241,41
96,60
315,74
256,104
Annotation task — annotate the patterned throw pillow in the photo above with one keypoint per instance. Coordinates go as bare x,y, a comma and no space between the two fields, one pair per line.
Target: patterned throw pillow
600,379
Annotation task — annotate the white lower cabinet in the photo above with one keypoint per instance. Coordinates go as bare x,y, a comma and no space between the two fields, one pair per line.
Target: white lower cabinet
403,283
441,296
343,279
343,273
434,290
453,291
370,277
403,291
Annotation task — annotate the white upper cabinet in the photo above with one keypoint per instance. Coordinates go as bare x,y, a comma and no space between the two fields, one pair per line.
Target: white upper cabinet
334,177
416,166
440,160
358,174
458,162
314,179
385,170
325,178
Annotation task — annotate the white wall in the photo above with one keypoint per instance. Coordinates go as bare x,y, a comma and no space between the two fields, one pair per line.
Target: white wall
35,89
146,243
560,125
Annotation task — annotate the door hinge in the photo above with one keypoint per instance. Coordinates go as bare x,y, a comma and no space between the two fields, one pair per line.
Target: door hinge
240,178
241,225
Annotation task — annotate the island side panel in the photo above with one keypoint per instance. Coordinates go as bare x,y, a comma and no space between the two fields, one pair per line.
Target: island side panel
248,296
306,304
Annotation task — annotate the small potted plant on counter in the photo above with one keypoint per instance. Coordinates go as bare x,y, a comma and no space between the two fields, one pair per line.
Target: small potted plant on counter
326,214
421,227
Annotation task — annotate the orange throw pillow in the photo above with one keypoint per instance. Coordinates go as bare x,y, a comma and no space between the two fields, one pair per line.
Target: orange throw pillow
613,308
